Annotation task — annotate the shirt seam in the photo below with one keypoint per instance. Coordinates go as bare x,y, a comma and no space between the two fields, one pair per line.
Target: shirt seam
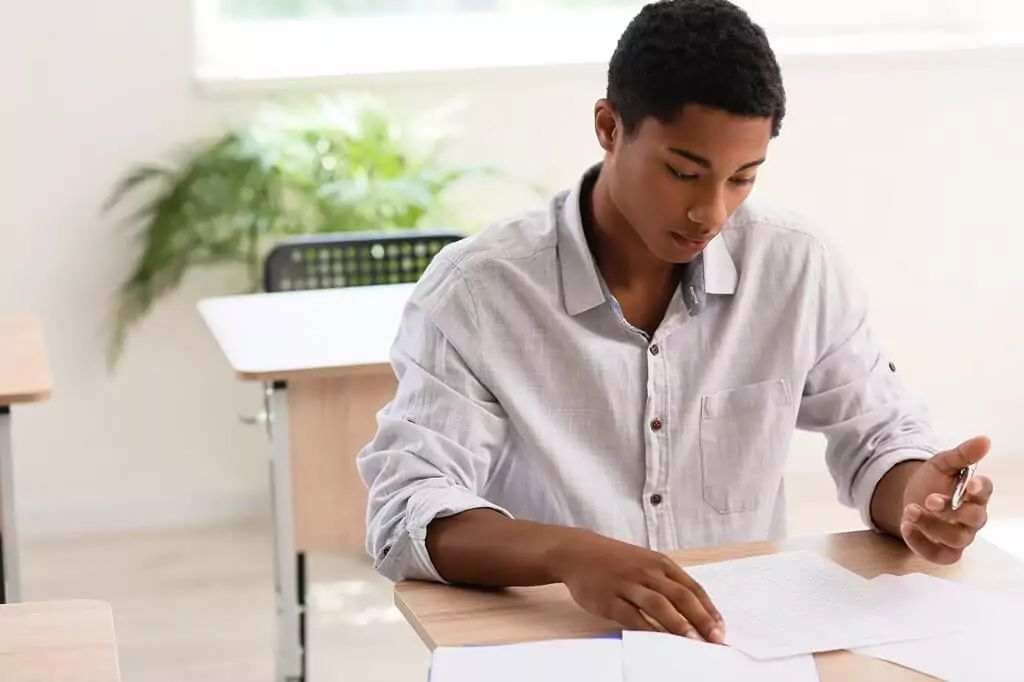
474,309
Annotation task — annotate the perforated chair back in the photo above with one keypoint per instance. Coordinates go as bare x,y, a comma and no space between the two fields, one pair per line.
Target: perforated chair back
352,259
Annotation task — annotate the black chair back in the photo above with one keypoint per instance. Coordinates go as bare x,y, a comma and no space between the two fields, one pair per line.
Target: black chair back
352,259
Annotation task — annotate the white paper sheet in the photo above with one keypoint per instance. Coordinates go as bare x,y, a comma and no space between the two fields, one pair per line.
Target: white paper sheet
595,660
988,648
794,603
652,656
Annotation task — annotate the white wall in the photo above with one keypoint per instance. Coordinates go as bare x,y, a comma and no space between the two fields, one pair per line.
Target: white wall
912,162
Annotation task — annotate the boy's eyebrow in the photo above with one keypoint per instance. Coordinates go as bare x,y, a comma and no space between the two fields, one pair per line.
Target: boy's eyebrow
705,163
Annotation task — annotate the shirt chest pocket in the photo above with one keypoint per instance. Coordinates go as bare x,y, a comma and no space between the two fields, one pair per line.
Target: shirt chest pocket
744,435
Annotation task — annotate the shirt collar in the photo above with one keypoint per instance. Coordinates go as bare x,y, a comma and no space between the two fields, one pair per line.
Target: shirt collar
582,288
720,274
581,285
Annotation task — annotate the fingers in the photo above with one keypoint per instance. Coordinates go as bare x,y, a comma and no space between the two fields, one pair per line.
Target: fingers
629,617
972,514
979,490
954,535
690,606
964,455
683,578
658,608
935,553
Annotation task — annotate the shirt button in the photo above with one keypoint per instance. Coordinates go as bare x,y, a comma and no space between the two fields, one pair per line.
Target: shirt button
656,425
892,366
656,499
654,349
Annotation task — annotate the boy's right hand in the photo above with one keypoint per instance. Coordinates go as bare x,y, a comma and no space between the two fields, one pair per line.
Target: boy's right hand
635,587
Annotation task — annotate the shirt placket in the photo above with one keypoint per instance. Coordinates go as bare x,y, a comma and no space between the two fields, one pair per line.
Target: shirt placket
661,424
656,492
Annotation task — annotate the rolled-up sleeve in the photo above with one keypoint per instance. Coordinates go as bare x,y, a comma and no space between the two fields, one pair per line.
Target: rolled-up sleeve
438,438
853,395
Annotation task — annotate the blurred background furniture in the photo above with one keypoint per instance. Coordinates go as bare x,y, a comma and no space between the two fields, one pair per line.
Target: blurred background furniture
352,259
69,641
318,342
24,378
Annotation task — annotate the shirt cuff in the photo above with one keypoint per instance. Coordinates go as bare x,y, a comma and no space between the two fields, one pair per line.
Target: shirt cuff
408,558
864,488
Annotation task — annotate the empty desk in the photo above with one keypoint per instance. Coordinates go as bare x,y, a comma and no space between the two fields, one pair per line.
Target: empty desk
65,641
322,358
24,378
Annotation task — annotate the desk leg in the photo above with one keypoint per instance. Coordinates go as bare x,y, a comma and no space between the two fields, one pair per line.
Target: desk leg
289,568
10,573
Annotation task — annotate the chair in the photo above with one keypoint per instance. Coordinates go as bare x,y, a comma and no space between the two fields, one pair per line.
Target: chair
349,259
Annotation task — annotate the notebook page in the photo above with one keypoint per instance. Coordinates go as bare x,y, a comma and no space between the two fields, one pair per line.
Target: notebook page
648,656
794,603
596,660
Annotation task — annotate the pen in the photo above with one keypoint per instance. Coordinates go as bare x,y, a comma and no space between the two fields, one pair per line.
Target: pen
962,478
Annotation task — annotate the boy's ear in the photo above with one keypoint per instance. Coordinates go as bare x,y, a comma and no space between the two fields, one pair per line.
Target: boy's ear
606,125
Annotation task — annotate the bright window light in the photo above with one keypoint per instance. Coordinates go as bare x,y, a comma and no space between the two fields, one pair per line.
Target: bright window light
288,39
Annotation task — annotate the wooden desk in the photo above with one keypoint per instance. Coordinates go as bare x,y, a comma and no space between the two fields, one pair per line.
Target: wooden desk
69,641
24,378
450,616
322,358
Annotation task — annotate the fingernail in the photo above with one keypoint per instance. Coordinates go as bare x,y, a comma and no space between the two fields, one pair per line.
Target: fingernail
934,503
717,636
905,529
913,513
693,635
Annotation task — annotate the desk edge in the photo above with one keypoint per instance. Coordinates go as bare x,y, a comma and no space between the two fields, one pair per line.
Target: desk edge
39,396
413,621
337,371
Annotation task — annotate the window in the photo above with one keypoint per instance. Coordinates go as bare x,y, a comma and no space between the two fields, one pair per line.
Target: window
270,39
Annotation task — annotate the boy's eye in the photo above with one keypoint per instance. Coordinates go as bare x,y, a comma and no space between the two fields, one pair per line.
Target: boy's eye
680,175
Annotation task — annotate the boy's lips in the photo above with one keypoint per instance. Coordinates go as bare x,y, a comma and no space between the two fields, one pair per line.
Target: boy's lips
689,241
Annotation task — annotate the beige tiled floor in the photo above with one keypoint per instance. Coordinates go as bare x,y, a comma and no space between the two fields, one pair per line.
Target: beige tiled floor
198,605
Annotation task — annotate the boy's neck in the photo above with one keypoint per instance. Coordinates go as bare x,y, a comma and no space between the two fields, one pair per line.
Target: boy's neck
621,256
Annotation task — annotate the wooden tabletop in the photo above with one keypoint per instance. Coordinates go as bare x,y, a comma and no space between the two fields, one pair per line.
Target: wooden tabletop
330,332
24,369
450,616
71,641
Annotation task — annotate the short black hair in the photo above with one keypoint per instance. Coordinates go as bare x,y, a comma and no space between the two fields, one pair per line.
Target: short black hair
708,52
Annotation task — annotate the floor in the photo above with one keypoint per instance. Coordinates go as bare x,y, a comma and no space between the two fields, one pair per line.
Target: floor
198,604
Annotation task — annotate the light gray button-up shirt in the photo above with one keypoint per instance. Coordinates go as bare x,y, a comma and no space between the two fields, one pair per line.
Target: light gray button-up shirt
523,389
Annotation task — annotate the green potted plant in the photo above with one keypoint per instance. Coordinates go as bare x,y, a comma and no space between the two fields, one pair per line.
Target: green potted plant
327,165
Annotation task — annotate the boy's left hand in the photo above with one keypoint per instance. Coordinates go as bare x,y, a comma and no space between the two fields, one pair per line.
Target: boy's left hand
929,526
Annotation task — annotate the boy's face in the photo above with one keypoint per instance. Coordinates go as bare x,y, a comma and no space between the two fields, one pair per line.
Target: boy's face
677,184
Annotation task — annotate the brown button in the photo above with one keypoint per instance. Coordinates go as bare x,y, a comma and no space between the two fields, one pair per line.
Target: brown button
656,499
656,425
654,349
